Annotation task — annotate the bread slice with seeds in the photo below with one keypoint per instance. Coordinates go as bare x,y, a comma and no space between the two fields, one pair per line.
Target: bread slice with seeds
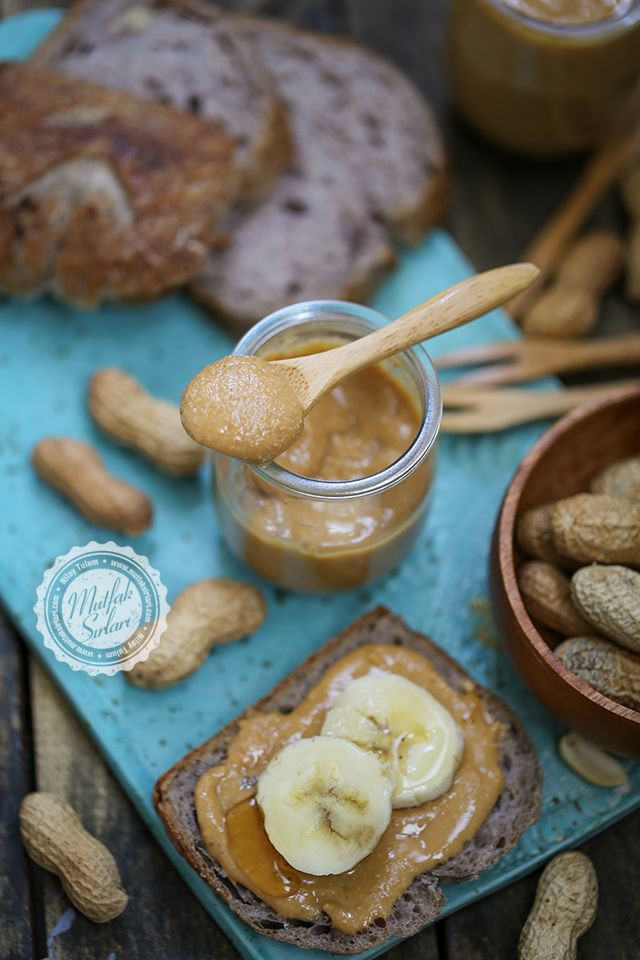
516,809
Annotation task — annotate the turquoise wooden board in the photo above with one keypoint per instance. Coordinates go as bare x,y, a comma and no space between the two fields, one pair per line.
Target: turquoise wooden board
47,353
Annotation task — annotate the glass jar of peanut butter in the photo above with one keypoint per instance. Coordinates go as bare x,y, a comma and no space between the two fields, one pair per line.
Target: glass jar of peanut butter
345,503
543,77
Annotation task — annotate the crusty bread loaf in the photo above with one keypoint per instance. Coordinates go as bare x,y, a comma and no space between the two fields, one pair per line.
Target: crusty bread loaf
186,54
103,195
369,159
516,809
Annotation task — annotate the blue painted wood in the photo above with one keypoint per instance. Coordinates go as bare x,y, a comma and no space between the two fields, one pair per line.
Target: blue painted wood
48,352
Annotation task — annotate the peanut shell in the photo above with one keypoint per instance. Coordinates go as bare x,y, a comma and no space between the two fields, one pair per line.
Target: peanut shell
562,313
205,614
135,418
546,593
564,908
56,840
597,528
76,470
593,263
608,597
608,669
619,479
571,304
535,536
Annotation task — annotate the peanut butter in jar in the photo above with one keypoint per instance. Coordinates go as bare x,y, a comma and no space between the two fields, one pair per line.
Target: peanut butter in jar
346,502
543,77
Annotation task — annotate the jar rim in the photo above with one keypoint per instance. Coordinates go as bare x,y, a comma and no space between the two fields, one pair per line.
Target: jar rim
610,25
361,320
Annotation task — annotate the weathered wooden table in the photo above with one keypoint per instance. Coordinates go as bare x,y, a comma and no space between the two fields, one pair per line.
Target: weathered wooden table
497,204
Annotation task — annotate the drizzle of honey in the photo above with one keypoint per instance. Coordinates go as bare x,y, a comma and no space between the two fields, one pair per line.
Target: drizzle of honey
254,853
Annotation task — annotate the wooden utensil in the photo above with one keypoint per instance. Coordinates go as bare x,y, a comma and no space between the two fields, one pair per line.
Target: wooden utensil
516,361
479,410
559,465
316,374
253,409
600,174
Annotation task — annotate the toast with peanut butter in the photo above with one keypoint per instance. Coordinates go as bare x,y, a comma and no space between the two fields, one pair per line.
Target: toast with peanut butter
393,891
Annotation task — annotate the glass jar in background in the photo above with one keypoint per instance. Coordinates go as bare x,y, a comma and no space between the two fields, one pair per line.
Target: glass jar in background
543,77
325,535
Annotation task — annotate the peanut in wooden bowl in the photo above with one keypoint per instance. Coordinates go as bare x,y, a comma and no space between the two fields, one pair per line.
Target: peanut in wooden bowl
561,464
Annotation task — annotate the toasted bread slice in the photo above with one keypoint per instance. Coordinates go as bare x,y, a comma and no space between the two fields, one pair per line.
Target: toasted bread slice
517,808
103,195
185,54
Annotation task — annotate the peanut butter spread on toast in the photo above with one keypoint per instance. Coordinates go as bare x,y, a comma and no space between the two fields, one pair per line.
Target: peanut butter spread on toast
417,838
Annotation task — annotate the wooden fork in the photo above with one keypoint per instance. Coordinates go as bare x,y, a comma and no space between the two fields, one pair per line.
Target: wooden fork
516,361
477,410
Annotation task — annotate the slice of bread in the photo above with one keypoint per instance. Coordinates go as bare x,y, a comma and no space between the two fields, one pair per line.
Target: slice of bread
185,54
103,195
392,140
517,808
369,160
368,156
312,237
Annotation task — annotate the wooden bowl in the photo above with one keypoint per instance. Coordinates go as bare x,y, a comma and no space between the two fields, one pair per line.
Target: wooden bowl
560,464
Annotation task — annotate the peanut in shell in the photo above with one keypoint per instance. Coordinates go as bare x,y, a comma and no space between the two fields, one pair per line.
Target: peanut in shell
619,479
546,593
604,666
597,528
608,597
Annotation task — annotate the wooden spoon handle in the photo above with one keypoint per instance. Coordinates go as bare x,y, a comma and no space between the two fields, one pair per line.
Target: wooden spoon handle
446,310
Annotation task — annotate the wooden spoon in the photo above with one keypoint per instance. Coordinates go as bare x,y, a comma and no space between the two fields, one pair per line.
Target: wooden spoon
254,409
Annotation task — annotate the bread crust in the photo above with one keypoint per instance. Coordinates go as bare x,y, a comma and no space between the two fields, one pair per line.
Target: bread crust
516,809
272,149
104,195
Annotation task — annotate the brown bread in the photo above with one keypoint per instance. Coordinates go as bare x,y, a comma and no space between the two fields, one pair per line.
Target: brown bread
103,195
369,161
186,54
517,808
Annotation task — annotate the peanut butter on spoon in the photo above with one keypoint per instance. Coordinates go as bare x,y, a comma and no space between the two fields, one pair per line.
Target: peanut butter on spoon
254,409
245,407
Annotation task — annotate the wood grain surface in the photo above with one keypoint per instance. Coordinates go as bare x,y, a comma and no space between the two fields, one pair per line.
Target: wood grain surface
498,203
561,465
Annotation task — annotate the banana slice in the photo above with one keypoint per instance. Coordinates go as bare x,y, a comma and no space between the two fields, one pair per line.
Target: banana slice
325,802
405,727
